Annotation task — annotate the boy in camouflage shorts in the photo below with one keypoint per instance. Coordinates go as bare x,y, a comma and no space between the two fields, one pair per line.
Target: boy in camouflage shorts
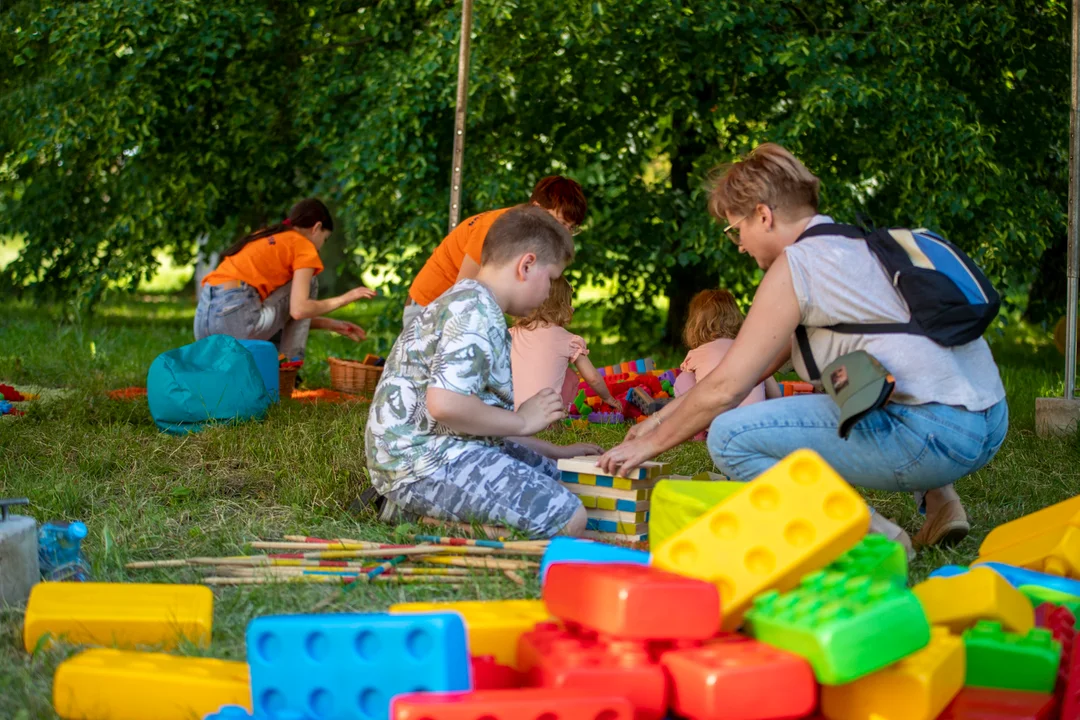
442,437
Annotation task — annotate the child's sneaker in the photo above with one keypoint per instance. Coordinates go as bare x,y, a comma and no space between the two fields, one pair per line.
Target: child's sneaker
392,514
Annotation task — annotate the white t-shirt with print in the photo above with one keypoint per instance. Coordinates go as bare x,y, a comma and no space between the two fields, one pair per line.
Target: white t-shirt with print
459,343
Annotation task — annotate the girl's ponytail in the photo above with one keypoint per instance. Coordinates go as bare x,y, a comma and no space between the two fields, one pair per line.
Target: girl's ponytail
304,214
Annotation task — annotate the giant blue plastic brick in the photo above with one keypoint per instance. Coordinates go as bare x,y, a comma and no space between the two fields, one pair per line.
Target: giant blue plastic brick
949,571
1018,577
349,666
564,549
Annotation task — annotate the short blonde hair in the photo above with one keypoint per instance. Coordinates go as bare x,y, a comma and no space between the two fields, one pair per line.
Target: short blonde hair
713,314
769,175
558,309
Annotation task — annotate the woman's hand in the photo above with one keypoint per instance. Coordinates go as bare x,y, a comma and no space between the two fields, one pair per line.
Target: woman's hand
539,411
623,458
642,429
350,330
579,449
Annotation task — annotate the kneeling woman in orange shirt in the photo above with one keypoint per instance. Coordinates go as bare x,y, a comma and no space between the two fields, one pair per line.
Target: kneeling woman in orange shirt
265,285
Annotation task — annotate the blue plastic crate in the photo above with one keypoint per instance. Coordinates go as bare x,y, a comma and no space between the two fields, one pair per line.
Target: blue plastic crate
349,666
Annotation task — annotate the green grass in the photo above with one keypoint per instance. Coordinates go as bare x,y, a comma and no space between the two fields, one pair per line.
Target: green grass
79,455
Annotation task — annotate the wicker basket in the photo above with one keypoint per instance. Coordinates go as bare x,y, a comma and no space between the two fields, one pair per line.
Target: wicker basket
350,376
286,382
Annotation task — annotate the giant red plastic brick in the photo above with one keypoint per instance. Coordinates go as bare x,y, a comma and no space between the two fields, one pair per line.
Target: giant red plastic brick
633,602
740,681
991,704
489,675
1061,623
547,703
1070,695
556,658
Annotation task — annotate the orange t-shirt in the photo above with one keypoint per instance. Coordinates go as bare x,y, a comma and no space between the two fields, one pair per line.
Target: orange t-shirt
268,263
441,270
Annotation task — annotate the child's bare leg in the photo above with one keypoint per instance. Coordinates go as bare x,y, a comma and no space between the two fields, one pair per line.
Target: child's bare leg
577,525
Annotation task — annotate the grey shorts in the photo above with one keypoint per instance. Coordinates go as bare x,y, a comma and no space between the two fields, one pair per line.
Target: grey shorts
512,486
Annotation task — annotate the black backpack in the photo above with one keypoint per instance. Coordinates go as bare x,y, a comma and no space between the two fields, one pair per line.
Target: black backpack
950,299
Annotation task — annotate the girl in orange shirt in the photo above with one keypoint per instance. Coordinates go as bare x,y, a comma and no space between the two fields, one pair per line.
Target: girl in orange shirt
265,287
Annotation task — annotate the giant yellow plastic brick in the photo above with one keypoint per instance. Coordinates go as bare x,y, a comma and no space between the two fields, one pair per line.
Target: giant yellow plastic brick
494,626
1056,552
106,684
958,602
1047,540
1055,517
795,518
123,615
916,688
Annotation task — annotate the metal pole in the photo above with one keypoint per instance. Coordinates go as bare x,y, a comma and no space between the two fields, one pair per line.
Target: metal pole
1073,267
459,115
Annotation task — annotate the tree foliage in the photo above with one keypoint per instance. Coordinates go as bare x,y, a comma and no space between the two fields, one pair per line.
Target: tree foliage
132,126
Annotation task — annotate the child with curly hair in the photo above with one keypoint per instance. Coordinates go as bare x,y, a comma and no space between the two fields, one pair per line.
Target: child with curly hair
712,323
542,351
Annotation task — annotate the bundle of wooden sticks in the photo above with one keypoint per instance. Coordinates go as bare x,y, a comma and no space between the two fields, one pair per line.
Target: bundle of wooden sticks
299,558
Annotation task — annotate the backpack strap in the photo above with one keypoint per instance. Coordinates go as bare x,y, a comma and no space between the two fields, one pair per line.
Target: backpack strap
857,233
849,231
807,353
800,332
908,328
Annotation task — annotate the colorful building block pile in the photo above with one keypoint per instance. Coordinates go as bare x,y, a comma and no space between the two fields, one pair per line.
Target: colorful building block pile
638,367
771,604
617,507
638,386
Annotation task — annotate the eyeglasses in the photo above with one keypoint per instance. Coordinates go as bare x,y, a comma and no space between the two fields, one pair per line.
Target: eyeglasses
732,231
574,230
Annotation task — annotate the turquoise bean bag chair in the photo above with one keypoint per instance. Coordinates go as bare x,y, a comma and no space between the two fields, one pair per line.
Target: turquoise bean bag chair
214,380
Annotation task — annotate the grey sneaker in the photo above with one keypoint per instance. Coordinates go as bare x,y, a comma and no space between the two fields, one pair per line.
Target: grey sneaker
392,514
881,525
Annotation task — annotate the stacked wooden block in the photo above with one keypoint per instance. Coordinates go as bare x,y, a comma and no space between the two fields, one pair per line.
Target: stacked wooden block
618,507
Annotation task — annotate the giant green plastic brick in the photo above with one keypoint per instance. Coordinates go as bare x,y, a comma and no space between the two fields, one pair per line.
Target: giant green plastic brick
1038,595
1008,661
876,557
844,626
677,503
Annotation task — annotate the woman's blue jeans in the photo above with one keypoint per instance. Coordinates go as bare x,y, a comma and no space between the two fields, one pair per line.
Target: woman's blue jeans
906,448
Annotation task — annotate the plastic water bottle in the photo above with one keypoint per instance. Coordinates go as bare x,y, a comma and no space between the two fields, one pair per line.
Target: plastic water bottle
60,551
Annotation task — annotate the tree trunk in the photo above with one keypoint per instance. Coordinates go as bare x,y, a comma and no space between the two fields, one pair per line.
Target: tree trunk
684,281
333,257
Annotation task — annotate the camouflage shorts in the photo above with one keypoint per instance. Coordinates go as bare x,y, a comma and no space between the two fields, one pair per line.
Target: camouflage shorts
510,486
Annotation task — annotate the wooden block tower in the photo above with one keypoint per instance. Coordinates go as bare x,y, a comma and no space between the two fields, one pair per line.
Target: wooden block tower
618,507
